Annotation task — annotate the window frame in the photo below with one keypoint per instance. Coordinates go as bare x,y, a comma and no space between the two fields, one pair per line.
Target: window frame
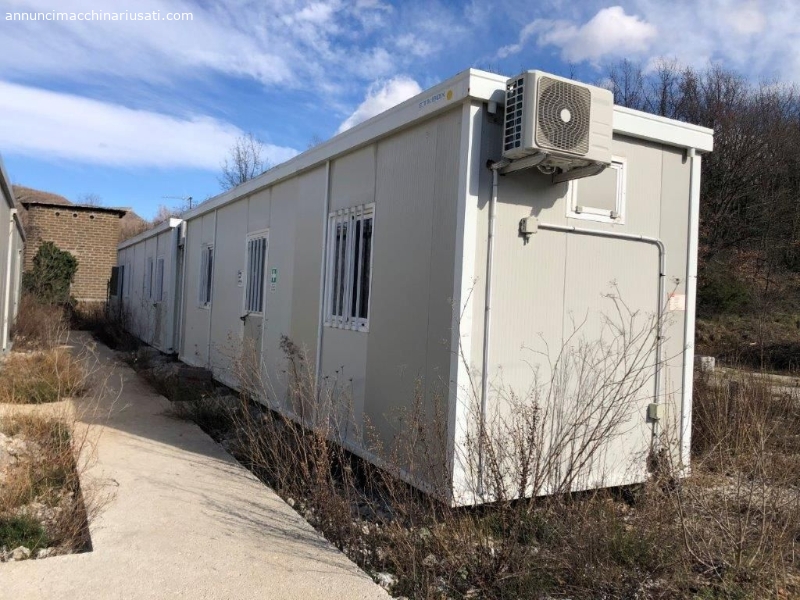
149,278
206,280
251,237
588,213
344,318
121,278
113,290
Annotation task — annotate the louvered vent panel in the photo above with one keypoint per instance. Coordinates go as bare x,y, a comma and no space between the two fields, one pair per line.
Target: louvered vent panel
515,94
563,116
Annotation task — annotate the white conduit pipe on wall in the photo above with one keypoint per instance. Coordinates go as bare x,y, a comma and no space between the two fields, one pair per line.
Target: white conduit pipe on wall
487,319
662,269
691,294
662,273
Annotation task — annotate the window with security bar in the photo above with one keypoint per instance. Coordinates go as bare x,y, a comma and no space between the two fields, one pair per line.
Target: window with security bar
148,282
349,267
256,267
206,275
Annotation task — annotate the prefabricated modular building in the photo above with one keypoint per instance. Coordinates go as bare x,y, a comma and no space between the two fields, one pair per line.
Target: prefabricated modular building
12,246
145,285
423,258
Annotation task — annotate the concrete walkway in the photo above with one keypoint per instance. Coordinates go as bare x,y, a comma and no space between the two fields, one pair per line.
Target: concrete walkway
183,519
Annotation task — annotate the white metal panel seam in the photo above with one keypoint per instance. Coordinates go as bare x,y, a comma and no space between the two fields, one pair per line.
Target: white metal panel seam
323,274
463,283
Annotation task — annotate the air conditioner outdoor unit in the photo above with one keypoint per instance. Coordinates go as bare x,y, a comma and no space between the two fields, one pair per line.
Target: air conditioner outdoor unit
570,123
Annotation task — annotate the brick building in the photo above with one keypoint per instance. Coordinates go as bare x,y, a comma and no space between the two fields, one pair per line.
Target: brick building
89,233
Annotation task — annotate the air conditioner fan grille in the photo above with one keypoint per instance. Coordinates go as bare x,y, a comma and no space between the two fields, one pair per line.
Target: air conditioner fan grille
563,116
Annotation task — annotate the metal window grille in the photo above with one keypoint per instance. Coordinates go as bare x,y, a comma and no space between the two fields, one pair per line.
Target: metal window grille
256,265
206,275
148,283
349,269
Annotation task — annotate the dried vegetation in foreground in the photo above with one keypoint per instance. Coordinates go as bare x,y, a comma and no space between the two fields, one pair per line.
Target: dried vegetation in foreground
728,531
43,511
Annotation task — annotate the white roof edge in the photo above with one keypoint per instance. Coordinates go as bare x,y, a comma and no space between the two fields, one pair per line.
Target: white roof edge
468,84
5,184
170,223
447,94
654,128
8,192
20,228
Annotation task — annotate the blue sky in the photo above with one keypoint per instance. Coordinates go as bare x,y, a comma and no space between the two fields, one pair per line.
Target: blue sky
134,111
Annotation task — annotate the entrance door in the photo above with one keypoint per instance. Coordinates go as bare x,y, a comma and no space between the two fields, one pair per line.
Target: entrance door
254,303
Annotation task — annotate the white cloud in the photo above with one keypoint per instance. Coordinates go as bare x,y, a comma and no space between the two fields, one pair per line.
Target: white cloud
381,96
286,43
51,125
610,32
747,19
758,38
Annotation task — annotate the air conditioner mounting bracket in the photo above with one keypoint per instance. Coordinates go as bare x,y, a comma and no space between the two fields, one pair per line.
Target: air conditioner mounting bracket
579,173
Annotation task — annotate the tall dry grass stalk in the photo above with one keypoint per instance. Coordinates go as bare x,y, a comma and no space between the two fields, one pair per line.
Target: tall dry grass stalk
740,512
42,376
38,325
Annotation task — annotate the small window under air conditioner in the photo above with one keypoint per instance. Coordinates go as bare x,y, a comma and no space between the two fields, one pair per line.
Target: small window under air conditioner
600,197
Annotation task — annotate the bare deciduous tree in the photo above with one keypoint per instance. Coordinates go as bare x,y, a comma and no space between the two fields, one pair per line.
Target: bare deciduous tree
90,199
164,213
245,160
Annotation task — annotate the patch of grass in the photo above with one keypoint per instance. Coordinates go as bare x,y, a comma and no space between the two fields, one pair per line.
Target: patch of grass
41,377
41,504
755,341
22,531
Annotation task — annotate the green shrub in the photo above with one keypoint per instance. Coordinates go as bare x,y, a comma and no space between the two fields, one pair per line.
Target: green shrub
22,531
51,276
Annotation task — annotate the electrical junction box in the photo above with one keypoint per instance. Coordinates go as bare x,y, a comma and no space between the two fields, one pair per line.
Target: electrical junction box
528,226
